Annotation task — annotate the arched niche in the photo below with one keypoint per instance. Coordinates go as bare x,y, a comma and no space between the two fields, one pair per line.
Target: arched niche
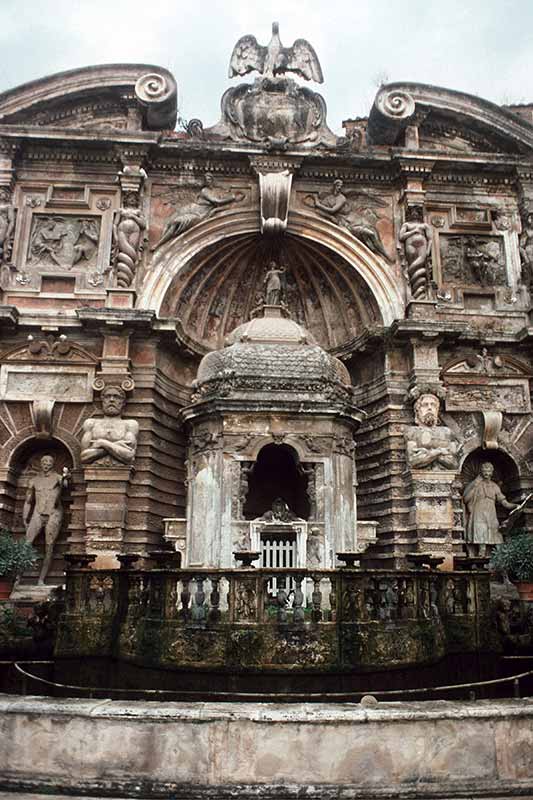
25,464
276,473
506,473
209,278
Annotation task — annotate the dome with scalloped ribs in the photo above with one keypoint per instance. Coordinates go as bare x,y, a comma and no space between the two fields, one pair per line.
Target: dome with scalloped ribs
273,348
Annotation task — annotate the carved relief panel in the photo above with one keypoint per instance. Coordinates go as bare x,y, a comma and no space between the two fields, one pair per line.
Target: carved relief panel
487,382
63,238
476,252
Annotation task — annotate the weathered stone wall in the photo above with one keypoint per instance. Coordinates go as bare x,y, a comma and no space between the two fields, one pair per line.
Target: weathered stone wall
416,750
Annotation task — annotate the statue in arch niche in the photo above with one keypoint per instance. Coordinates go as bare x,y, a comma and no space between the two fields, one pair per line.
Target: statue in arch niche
480,497
43,508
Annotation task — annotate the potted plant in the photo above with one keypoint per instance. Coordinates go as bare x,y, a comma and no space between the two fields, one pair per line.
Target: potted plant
16,556
515,558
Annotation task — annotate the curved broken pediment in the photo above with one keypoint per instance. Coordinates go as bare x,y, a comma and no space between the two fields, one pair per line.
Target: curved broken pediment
109,96
398,105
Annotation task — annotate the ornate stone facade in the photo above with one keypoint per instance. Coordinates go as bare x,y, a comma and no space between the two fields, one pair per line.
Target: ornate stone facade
273,298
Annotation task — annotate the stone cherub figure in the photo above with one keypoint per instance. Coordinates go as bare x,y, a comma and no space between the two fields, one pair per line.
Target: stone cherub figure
429,445
480,497
110,436
43,510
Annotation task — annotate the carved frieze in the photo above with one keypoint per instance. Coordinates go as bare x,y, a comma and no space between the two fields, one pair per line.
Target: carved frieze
511,396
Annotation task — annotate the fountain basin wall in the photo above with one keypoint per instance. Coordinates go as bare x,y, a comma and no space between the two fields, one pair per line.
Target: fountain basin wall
480,749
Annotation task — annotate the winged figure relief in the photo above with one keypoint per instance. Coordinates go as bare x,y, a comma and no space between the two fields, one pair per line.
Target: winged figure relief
274,59
353,210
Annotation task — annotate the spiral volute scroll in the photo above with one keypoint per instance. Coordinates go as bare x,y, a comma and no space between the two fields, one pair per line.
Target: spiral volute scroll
157,92
392,111
395,104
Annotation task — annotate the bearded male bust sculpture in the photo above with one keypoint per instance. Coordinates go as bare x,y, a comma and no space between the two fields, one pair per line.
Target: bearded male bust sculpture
429,445
110,438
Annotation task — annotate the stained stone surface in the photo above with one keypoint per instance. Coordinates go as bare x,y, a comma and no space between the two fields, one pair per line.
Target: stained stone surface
455,748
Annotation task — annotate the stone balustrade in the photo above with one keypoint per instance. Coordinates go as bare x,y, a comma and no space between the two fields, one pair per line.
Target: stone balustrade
275,619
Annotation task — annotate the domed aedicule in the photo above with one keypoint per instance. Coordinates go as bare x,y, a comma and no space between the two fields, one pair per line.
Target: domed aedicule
272,353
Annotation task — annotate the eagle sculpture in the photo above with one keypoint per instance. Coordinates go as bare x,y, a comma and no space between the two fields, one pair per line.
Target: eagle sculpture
275,60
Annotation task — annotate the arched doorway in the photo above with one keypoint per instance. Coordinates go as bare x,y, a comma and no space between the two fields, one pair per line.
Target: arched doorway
277,473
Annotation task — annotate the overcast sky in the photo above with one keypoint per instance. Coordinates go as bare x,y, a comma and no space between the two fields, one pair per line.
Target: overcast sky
480,47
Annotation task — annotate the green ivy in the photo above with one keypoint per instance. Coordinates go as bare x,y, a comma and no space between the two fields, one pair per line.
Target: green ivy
515,557
16,555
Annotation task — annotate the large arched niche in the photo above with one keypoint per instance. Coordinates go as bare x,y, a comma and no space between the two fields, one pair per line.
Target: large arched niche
210,279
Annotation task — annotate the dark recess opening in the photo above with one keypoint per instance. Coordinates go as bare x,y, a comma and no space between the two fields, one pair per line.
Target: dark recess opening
276,474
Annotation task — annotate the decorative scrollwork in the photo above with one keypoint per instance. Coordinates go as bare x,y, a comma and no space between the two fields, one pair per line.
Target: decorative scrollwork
396,104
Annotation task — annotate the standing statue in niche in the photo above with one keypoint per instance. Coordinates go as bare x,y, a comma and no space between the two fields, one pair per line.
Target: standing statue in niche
43,510
480,497
128,231
110,438
416,237
210,199
429,445
354,216
274,285
7,224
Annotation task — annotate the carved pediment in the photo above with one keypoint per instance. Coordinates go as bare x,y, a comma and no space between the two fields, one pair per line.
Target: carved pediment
107,97
50,350
484,363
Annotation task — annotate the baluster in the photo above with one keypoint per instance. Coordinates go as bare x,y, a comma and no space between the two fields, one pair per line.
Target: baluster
281,598
316,600
185,597
298,614
214,601
171,597
198,607
333,598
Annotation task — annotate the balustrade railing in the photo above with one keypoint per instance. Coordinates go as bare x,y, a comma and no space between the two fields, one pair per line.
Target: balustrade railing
301,597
